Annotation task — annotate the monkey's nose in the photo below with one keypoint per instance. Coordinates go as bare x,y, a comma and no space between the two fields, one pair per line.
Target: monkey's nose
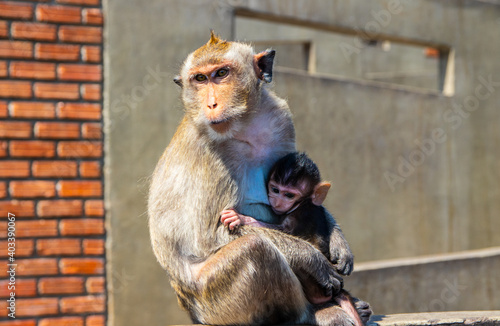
212,106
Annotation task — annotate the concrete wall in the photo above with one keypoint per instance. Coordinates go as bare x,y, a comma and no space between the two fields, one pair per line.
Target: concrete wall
359,132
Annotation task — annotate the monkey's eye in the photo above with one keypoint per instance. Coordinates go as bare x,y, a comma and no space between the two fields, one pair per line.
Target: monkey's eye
221,72
200,77
289,195
275,190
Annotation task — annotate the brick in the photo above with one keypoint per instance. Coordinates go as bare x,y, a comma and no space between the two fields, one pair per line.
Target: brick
79,149
95,320
81,72
79,188
32,110
3,69
87,266
30,189
94,208
54,169
16,49
79,111
95,285
32,70
20,208
3,191
34,31
80,2
90,169
36,267
14,169
4,29
92,131
93,247
36,228
15,89
15,129
11,9
81,227
57,91
37,307
61,285
3,148
60,52
32,148
83,304
91,53
59,208
24,288
57,130
58,247
22,322
61,321
3,109
58,14
92,16
24,248
91,92
80,34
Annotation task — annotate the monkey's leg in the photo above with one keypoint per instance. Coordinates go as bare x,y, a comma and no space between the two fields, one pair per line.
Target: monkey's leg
332,315
345,301
248,281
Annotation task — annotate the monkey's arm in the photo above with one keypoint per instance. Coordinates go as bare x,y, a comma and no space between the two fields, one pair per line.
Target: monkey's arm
340,253
308,263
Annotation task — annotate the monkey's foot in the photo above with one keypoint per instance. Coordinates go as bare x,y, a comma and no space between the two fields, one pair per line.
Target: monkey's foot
364,310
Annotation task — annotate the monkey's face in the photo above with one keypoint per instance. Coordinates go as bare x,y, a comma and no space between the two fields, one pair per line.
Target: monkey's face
221,85
285,198
220,95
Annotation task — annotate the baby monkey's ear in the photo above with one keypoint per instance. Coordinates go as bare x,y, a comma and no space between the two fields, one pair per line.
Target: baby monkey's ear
320,192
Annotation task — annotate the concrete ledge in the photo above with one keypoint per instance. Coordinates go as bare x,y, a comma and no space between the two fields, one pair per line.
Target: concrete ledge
469,318
463,281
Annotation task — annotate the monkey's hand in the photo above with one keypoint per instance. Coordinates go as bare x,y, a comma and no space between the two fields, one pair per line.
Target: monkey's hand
340,254
231,219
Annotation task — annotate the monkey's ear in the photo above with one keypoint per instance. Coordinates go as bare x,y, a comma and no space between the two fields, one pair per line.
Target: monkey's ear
178,80
263,65
320,192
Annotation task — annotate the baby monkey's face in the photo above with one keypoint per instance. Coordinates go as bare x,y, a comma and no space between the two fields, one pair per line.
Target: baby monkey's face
283,198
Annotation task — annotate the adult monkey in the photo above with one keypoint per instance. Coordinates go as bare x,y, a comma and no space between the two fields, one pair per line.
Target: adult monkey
232,132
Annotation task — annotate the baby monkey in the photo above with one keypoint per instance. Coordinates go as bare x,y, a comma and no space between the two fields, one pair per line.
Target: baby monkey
296,194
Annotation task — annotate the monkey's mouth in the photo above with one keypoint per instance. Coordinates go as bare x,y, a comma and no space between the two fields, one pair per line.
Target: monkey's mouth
216,122
277,212
221,125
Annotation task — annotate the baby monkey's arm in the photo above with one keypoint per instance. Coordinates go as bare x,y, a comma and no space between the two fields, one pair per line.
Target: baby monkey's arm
232,219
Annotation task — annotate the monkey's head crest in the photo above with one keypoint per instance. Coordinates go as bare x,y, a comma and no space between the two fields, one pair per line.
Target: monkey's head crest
215,39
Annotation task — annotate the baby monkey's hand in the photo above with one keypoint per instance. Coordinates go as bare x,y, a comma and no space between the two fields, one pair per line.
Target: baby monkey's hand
231,219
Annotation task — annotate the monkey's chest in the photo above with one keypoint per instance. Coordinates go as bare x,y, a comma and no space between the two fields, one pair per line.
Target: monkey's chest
259,144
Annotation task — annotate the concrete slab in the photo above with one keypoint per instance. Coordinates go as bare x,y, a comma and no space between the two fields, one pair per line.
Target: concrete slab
439,318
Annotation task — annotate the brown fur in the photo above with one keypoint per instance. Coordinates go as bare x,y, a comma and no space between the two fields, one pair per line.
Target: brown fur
223,278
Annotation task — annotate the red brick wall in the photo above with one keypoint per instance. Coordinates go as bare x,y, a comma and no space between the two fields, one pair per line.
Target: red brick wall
51,156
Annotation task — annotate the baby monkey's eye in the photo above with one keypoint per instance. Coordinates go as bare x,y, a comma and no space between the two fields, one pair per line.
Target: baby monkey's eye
289,195
221,72
275,190
200,77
